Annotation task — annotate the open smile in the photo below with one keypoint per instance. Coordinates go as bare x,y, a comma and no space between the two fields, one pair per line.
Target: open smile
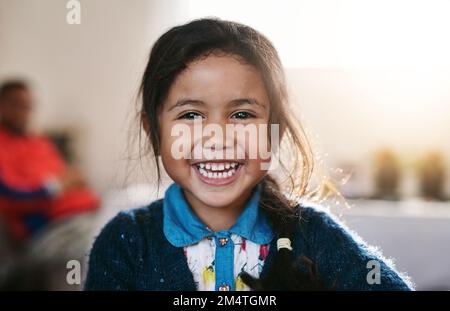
218,173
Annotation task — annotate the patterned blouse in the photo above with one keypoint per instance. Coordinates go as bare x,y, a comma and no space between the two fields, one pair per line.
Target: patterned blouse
248,257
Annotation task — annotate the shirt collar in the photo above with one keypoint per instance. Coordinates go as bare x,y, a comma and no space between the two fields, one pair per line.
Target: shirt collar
182,227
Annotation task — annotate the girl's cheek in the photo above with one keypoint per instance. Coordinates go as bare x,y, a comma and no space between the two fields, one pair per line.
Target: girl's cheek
258,151
257,144
172,149
266,141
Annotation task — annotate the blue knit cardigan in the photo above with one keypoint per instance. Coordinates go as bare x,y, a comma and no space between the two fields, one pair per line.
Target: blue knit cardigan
132,253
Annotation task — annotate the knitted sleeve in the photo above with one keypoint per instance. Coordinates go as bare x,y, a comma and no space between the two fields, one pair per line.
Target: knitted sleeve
344,260
112,261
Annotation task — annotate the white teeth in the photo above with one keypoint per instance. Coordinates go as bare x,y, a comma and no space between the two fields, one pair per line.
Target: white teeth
217,170
217,166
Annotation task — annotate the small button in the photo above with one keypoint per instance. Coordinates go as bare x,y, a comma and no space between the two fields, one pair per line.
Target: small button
224,287
223,241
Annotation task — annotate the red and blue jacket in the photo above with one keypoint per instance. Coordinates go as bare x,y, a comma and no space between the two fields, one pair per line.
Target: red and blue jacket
27,163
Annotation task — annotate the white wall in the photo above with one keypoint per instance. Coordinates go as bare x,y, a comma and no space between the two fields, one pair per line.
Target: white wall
85,76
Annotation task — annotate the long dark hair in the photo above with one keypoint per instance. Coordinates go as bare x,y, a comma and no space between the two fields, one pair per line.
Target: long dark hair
171,54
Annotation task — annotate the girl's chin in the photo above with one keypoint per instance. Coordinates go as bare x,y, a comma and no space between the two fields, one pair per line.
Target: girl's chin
215,201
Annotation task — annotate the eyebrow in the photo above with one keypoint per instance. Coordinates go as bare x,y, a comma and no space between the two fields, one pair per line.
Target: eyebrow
243,101
234,102
187,101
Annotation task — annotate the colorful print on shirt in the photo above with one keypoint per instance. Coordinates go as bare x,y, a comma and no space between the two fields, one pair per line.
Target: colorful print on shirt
248,257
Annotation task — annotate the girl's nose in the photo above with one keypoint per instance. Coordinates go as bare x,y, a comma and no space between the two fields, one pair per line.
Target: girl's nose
217,137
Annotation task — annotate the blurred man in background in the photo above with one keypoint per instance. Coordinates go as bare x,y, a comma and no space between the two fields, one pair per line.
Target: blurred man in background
37,188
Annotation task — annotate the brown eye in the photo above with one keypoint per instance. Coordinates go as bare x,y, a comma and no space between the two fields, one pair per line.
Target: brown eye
242,115
191,115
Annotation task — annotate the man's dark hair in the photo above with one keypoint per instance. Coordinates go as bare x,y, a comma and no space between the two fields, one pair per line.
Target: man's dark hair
12,85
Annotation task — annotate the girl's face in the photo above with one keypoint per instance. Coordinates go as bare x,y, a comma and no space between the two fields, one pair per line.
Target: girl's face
215,92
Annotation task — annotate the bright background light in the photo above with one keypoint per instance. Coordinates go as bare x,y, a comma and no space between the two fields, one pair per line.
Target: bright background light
363,74
354,33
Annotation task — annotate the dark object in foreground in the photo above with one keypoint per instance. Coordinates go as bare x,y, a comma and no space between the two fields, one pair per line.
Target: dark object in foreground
293,278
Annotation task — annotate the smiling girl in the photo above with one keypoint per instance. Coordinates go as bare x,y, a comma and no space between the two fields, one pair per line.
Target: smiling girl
225,223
